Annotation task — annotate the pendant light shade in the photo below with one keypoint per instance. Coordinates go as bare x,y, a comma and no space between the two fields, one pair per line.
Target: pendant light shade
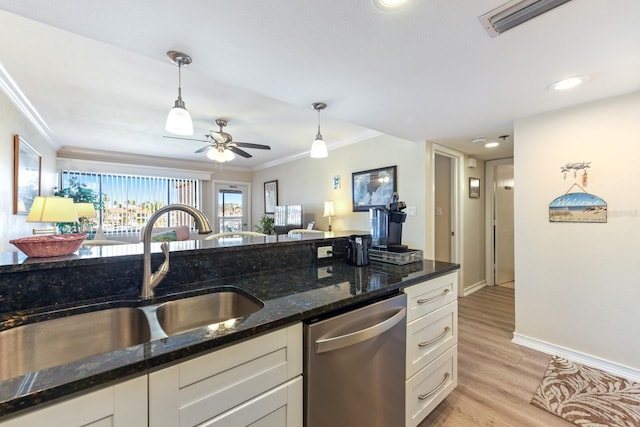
179,120
319,148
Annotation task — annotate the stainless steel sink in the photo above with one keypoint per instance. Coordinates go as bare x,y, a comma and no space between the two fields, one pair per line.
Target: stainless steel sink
212,309
55,342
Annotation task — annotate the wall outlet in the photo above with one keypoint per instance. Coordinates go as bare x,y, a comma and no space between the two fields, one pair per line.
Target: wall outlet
325,251
324,272
411,210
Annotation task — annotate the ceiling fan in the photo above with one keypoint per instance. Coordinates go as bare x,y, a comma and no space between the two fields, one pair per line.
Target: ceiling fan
221,146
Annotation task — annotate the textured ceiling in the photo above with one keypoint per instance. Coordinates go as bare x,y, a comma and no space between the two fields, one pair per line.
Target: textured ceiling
98,75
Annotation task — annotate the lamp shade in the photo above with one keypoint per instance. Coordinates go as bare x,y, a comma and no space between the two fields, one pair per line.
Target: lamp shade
52,209
328,209
86,210
319,148
179,121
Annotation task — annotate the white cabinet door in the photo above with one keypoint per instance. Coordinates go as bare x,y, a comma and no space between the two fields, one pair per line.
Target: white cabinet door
121,405
197,391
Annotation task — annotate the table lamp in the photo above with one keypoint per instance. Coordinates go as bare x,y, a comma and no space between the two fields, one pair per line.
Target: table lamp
329,211
85,211
52,209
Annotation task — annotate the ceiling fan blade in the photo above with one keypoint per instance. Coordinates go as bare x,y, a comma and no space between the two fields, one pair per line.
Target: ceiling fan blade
186,139
250,145
203,149
240,152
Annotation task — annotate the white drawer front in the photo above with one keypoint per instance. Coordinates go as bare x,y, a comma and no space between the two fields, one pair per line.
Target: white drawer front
426,389
431,295
195,391
430,336
280,407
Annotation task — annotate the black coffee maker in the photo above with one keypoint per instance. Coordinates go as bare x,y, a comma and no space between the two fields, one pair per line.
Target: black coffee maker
386,226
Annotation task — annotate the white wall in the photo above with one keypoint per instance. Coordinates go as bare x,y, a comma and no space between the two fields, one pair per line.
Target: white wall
473,226
12,122
310,182
577,285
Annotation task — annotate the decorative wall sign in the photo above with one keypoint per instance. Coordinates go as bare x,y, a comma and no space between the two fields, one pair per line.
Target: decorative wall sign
578,166
578,207
337,182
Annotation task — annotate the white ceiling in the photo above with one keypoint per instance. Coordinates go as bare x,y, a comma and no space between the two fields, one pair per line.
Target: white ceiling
98,75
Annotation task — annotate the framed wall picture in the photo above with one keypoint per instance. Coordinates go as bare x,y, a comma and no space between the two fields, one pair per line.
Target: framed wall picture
27,170
373,188
270,196
474,188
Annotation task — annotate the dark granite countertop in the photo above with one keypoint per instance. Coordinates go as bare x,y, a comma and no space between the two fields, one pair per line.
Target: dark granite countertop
289,294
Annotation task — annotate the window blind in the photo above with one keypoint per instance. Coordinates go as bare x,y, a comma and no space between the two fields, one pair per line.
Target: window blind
127,201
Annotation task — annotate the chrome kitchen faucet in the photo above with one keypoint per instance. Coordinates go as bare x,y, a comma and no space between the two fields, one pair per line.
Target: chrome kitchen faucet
150,281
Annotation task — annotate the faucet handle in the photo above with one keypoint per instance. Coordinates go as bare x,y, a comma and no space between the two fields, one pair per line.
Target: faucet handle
162,271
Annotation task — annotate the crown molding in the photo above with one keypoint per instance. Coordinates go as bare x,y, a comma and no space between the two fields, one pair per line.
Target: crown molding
19,99
362,136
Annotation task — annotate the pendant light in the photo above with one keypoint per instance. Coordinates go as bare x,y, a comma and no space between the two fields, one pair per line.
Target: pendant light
179,121
319,148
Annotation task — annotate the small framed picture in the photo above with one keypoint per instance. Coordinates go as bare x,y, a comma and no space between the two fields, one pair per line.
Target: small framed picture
336,182
27,164
474,188
270,196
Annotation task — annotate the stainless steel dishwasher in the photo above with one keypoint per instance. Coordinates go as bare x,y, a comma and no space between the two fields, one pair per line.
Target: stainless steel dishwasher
355,367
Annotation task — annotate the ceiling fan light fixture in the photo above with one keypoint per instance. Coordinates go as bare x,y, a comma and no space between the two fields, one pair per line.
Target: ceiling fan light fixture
319,147
179,120
221,155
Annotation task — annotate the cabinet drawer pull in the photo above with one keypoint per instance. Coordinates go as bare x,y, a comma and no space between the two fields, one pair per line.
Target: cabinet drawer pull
431,341
442,295
435,390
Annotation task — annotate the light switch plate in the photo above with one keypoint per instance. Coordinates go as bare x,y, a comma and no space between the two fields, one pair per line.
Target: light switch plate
325,251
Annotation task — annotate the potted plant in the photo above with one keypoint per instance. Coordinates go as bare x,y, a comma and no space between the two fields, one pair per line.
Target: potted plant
79,193
266,225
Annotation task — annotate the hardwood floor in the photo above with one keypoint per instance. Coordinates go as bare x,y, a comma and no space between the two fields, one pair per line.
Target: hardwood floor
496,379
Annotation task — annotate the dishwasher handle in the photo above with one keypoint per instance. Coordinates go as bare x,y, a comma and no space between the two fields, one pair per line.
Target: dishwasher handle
330,344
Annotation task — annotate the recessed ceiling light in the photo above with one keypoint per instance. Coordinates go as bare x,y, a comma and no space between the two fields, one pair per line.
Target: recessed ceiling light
389,4
568,83
491,144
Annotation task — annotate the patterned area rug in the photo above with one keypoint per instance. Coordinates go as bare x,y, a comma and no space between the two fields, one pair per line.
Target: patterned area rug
588,397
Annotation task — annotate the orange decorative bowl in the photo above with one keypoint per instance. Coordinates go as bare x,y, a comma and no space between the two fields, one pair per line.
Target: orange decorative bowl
51,245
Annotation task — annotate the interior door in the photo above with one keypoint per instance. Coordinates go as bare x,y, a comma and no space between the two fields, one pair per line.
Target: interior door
231,207
504,251
443,203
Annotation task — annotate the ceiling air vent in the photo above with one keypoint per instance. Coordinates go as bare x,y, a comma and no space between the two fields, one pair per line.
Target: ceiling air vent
514,13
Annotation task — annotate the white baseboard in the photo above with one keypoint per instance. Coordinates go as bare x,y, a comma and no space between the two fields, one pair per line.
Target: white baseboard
581,358
473,288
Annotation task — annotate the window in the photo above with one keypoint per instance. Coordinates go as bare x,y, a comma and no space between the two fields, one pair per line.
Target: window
230,210
127,201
